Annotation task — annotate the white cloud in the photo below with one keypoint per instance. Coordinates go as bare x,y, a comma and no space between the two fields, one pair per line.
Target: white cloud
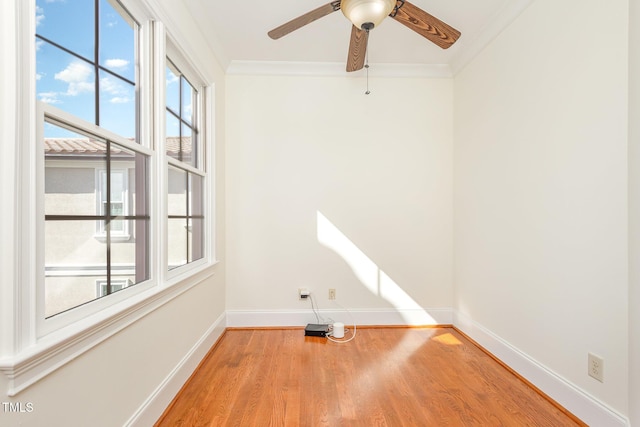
172,78
38,76
116,63
117,89
39,15
49,97
111,86
78,75
120,100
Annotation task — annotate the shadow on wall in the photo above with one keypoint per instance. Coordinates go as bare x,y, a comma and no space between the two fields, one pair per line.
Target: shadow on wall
370,275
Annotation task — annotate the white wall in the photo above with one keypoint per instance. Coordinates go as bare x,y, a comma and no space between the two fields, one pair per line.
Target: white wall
373,172
634,212
109,384
540,190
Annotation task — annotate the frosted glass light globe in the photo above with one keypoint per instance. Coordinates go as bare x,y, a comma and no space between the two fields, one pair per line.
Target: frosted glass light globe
360,12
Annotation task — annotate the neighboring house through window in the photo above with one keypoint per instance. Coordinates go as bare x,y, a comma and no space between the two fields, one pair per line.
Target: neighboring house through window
119,202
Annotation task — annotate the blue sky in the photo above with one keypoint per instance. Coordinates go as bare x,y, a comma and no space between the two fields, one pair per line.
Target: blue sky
68,82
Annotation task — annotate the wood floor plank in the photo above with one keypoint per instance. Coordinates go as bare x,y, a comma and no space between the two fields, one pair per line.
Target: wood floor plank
385,377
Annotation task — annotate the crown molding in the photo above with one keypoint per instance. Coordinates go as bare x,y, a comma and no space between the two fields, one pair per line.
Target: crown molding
324,69
471,46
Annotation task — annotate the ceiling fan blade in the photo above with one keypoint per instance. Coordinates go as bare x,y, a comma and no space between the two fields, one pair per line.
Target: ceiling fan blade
303,20
426,25
357,49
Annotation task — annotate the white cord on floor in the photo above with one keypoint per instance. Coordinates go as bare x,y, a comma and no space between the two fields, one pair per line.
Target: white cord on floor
354,327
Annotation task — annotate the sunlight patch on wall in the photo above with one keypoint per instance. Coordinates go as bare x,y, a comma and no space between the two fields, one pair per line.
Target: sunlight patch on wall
370,275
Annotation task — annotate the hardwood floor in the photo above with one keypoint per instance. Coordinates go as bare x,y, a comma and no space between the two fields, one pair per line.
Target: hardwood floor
384,377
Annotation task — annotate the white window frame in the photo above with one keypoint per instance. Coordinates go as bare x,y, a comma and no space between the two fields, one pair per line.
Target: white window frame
205,147
31,348
44,325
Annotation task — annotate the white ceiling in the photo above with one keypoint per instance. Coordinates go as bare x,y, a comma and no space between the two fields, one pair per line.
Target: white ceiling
237,31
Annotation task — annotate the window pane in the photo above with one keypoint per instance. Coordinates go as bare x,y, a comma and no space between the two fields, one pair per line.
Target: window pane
123,260
178,242
195,195
81,251
68,78
118,200
117,41
196,232
65,81
196,248
187,146
68,23
117,106
70,172
188,97
140,241
173,89
185,224
138,191
118,226
177,197
118,189
173,136
180,120
74,260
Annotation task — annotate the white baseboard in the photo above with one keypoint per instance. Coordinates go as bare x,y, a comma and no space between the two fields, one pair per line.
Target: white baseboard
159,400
575,400
289,318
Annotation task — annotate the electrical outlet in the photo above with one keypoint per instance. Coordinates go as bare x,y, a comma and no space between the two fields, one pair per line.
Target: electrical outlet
596,367
332,294
303,293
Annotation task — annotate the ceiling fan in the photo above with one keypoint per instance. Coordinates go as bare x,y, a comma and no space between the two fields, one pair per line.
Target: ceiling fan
366,15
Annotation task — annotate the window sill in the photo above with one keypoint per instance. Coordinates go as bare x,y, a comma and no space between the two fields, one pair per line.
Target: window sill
59,348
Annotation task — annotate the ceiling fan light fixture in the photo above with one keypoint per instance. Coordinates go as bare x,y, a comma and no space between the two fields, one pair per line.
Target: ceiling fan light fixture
369,13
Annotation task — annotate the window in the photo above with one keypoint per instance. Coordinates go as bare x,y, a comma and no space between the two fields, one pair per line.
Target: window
89,244
182,133
73,257
95,175
185,226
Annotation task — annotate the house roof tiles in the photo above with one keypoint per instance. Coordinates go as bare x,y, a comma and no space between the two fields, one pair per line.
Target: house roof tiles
89,146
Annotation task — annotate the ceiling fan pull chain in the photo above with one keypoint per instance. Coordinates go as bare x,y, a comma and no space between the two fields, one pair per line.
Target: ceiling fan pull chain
366,65
367,68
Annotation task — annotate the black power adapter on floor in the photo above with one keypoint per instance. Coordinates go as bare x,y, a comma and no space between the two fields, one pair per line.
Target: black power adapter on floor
316,330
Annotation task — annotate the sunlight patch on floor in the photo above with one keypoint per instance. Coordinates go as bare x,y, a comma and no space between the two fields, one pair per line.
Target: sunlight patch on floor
448,339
